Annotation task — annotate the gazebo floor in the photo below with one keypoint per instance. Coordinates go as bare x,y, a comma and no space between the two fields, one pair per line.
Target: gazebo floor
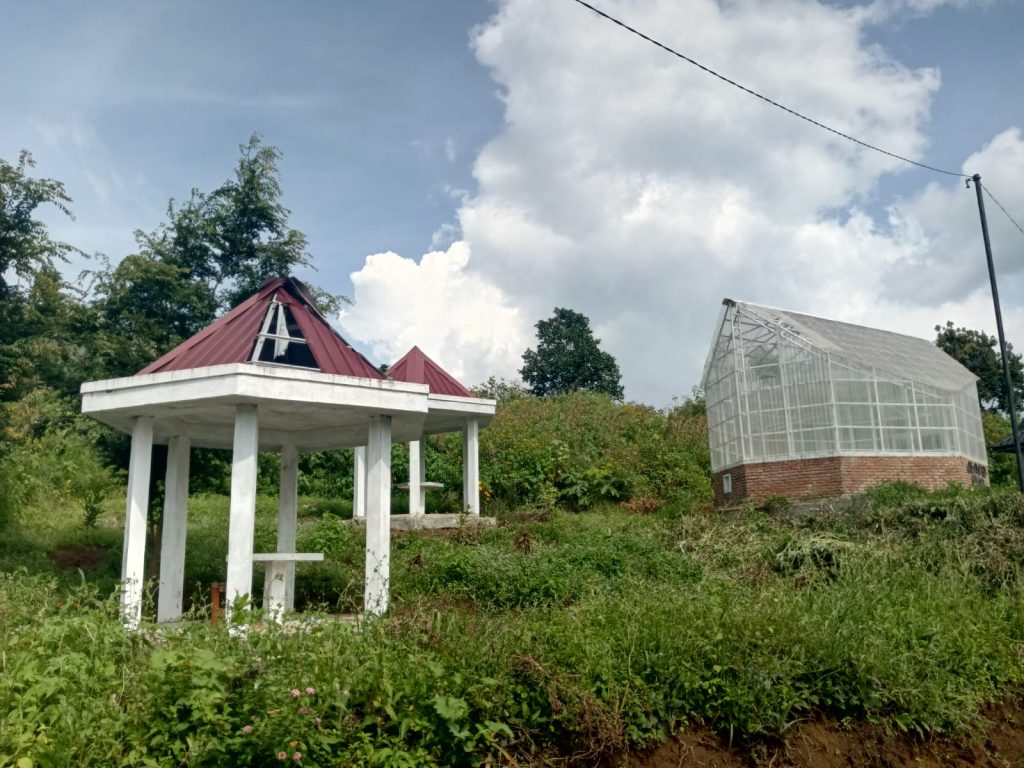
433,522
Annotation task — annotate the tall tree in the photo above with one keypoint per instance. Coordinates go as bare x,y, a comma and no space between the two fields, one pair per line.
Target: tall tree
212,252
569,358
42,321
25,243
235,238
978,352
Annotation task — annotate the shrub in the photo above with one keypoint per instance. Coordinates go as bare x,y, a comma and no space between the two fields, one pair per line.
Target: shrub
585,448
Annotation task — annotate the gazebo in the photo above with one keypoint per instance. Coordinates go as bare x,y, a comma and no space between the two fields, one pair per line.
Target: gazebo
451,408
271,375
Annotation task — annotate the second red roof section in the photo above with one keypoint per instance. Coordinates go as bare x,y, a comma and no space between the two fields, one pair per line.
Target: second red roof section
416,368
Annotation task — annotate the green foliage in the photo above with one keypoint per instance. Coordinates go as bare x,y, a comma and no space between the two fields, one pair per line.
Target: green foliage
568,358
556,634
45,334
49,453
583,448
502,390
1002,466
232,240
25,244
214,250
977,351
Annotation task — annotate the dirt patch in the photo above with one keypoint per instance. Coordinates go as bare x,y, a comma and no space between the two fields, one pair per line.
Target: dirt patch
84,557
998,744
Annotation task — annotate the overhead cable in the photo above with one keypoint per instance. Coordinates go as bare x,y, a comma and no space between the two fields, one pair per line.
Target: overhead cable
793,112
1001,208
774,103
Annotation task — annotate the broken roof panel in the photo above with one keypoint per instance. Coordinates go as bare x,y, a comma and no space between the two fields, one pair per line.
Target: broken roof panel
233,337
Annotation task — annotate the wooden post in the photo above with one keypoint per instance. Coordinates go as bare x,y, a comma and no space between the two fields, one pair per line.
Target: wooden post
216,590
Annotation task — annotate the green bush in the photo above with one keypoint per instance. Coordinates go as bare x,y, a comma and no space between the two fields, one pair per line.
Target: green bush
585,448
555,634
47,452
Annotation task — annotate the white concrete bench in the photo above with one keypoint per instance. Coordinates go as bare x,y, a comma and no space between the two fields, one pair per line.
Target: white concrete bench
277,577
424,486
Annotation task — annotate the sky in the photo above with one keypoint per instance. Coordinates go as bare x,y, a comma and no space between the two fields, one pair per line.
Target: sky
462,168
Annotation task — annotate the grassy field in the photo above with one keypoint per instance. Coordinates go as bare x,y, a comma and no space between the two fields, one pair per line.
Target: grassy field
555,635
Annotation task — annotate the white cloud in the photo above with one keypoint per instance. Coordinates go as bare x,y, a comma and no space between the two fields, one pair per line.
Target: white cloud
640,191
464,323
880,11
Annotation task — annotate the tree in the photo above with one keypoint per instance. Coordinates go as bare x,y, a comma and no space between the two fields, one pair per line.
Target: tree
235,238
568,358
502,390
212,252
42,321
25,244
977,351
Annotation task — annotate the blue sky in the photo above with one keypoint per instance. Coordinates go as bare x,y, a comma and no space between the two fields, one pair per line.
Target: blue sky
367,102
569,163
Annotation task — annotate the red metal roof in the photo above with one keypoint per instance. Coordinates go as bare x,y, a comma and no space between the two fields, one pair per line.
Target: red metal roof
232,337
416,368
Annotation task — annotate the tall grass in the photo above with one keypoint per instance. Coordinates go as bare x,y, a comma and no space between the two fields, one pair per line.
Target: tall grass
554,634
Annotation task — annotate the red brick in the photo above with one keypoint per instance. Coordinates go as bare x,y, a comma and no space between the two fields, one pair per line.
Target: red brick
840,475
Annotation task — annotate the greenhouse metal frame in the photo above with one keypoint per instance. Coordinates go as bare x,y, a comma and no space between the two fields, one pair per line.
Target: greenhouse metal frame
783,386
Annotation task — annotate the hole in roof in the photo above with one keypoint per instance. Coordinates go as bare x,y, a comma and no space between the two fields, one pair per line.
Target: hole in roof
280,342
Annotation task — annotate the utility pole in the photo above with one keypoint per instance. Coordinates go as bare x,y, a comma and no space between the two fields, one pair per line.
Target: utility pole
976,178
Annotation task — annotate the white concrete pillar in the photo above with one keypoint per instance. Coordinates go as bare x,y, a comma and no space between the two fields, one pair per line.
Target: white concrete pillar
175,529
378,516
417,496
359,482
287,520
471,467
133,557
242,520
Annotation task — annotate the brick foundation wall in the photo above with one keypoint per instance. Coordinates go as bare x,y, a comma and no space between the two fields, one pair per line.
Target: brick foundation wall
840,475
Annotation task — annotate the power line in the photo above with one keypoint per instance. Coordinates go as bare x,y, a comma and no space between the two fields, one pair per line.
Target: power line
774,103
793,112
1001,208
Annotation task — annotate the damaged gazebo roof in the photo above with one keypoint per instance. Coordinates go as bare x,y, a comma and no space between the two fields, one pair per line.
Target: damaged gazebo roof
272,374
276,351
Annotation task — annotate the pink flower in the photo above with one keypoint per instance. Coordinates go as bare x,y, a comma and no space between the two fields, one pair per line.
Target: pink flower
303,710
246,729
282,756
316,721
295,693
310,691
297,756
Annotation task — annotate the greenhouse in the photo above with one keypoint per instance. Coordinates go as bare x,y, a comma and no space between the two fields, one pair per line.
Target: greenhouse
801,406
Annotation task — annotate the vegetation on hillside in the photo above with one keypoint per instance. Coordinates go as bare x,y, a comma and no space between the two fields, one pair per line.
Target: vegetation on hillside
557,634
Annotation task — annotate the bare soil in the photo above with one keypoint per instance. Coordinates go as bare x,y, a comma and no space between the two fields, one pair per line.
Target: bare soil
85,557
999,743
